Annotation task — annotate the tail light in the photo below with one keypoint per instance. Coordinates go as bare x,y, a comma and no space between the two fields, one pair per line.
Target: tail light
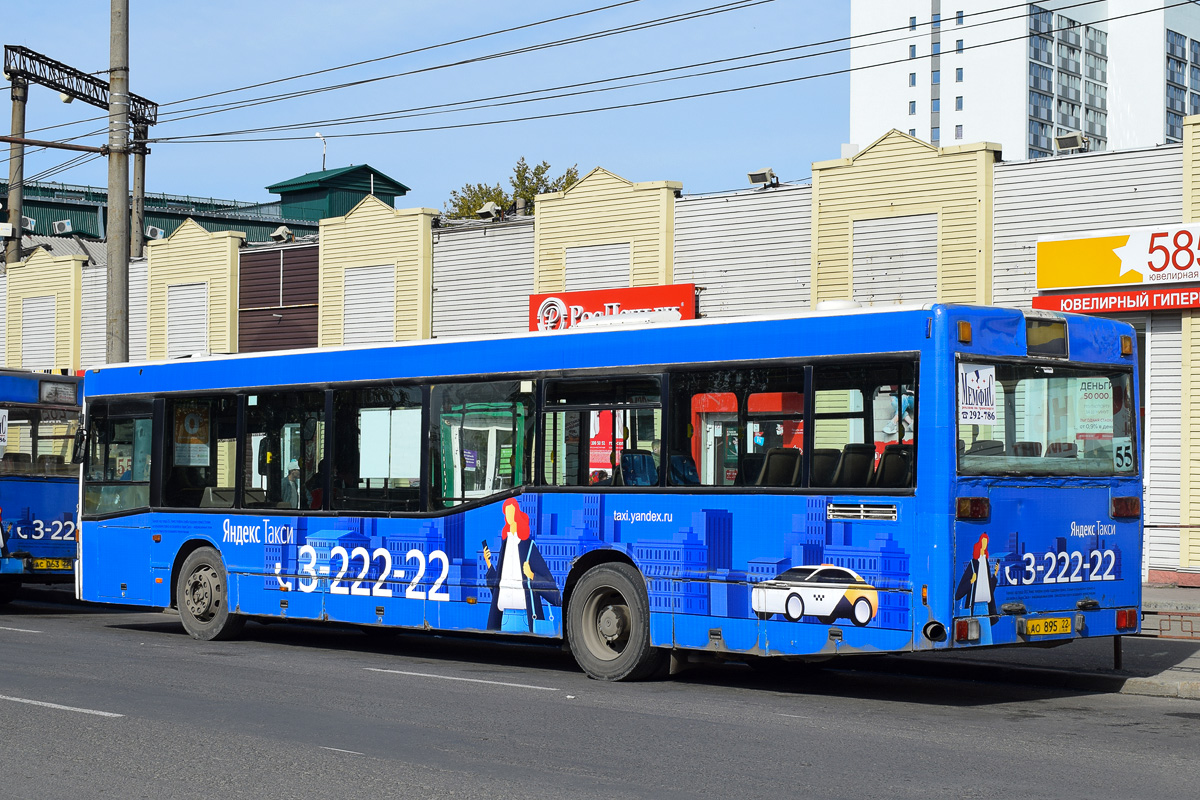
973,508
966,630
1126,507
1127,619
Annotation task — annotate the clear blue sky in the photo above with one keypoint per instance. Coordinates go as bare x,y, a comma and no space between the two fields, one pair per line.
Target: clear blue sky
181,50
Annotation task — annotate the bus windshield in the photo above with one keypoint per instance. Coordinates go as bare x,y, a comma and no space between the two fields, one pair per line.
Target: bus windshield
38,441
1019,418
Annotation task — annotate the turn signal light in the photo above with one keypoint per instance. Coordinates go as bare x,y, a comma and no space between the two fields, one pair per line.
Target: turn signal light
964,331
1126,507
1127,619
1126,345
966,630
973,508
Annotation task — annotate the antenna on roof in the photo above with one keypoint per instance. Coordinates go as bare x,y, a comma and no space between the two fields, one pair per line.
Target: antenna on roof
322,138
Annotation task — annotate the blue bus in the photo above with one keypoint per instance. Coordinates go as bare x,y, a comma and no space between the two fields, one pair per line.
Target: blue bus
883,481
39,484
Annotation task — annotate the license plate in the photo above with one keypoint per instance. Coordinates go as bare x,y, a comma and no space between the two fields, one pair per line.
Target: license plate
1051,625
52,563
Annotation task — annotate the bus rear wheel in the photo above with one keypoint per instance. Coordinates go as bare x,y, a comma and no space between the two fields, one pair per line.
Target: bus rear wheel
202,595
608,625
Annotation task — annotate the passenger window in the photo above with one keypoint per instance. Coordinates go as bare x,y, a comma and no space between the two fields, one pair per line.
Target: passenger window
603,433
200,452
377,449
737,427
117,467
284,454
480,439
865,424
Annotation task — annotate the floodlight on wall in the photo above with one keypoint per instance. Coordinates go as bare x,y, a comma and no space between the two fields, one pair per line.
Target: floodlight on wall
765,177
154,233
1067,142
282,233
61,226
28,223
489,210
66,98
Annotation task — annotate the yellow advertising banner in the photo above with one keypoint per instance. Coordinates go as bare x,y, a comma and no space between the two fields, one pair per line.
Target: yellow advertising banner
1166,254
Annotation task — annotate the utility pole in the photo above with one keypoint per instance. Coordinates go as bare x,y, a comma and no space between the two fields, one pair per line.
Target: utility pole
138,219
16,169
117,330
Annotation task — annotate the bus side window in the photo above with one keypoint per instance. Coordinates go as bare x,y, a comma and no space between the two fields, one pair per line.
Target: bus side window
285,447
480,439
117,468
603,433
864,433
200,456
377,449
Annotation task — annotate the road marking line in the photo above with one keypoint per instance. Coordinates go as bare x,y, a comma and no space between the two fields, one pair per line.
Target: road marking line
44,704
18,630
340,750
467,680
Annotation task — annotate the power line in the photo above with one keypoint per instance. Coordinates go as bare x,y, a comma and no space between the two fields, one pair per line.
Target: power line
510,99
196,139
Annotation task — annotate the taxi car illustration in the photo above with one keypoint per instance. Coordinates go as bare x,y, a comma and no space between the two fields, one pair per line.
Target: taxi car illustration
826,592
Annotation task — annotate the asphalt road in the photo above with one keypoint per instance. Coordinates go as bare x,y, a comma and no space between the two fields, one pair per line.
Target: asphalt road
139,710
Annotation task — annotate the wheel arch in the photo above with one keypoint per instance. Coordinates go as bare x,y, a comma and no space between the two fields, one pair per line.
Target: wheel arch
185,550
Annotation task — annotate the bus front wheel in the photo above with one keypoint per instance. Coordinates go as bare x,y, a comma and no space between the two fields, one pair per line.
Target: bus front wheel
608,625
202,595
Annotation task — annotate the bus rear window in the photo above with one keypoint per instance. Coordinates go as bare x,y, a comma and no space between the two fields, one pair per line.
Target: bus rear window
1032,419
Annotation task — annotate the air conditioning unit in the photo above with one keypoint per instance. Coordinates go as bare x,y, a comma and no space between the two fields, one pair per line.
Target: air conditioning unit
155,233
28,223
61,226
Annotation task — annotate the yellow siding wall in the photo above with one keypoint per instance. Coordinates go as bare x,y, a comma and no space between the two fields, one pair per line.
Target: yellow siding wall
38,276
374,233
900,176
603,208
1191,169
1189,451
193,255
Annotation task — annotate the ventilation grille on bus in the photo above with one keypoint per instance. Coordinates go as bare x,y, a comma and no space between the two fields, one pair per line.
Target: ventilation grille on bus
860,511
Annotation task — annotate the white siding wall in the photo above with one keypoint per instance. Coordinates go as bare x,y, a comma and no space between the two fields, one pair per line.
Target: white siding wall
369,313
749,250
598,266
93,322
895,259
187,319
482,279
1164,358
38,332
1076,194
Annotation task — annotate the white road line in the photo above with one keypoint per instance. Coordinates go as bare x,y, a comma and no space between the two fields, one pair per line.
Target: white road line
18,630
340,750
466,680
60,708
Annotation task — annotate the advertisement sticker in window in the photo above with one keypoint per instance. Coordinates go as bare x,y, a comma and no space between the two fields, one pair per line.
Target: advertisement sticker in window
191,435
976,394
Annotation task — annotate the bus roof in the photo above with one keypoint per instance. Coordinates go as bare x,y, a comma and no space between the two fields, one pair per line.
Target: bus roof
889,329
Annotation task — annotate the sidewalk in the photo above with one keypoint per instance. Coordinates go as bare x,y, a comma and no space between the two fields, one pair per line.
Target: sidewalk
1151,665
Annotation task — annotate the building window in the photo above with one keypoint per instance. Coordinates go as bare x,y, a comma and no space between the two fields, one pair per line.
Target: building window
1040,106
912,51
912,107
1195,103
937,48
958,46
1096,95
935,134
958,75
1176,44
1097,68
936,77
1176,99
1176,70
912,79
912,23
1041,78
1196,77
958,131
1174,126
912,131
1040,20
958,18
1195,52
1040,49
1068,115
958,103
937,21
936,105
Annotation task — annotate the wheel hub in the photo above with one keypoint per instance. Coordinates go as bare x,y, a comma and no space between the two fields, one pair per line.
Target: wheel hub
200,594
612,622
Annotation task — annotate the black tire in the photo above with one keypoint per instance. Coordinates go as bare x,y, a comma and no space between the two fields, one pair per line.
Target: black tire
202,595
8,593
608,625
793,607
764,615
861,612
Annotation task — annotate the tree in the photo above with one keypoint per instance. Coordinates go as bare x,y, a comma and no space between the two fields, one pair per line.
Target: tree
527,182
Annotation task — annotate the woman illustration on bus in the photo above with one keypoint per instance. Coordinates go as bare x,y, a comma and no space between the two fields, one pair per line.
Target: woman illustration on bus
978,587
520,580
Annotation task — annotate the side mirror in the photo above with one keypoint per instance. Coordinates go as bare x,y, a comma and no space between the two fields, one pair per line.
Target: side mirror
79,450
